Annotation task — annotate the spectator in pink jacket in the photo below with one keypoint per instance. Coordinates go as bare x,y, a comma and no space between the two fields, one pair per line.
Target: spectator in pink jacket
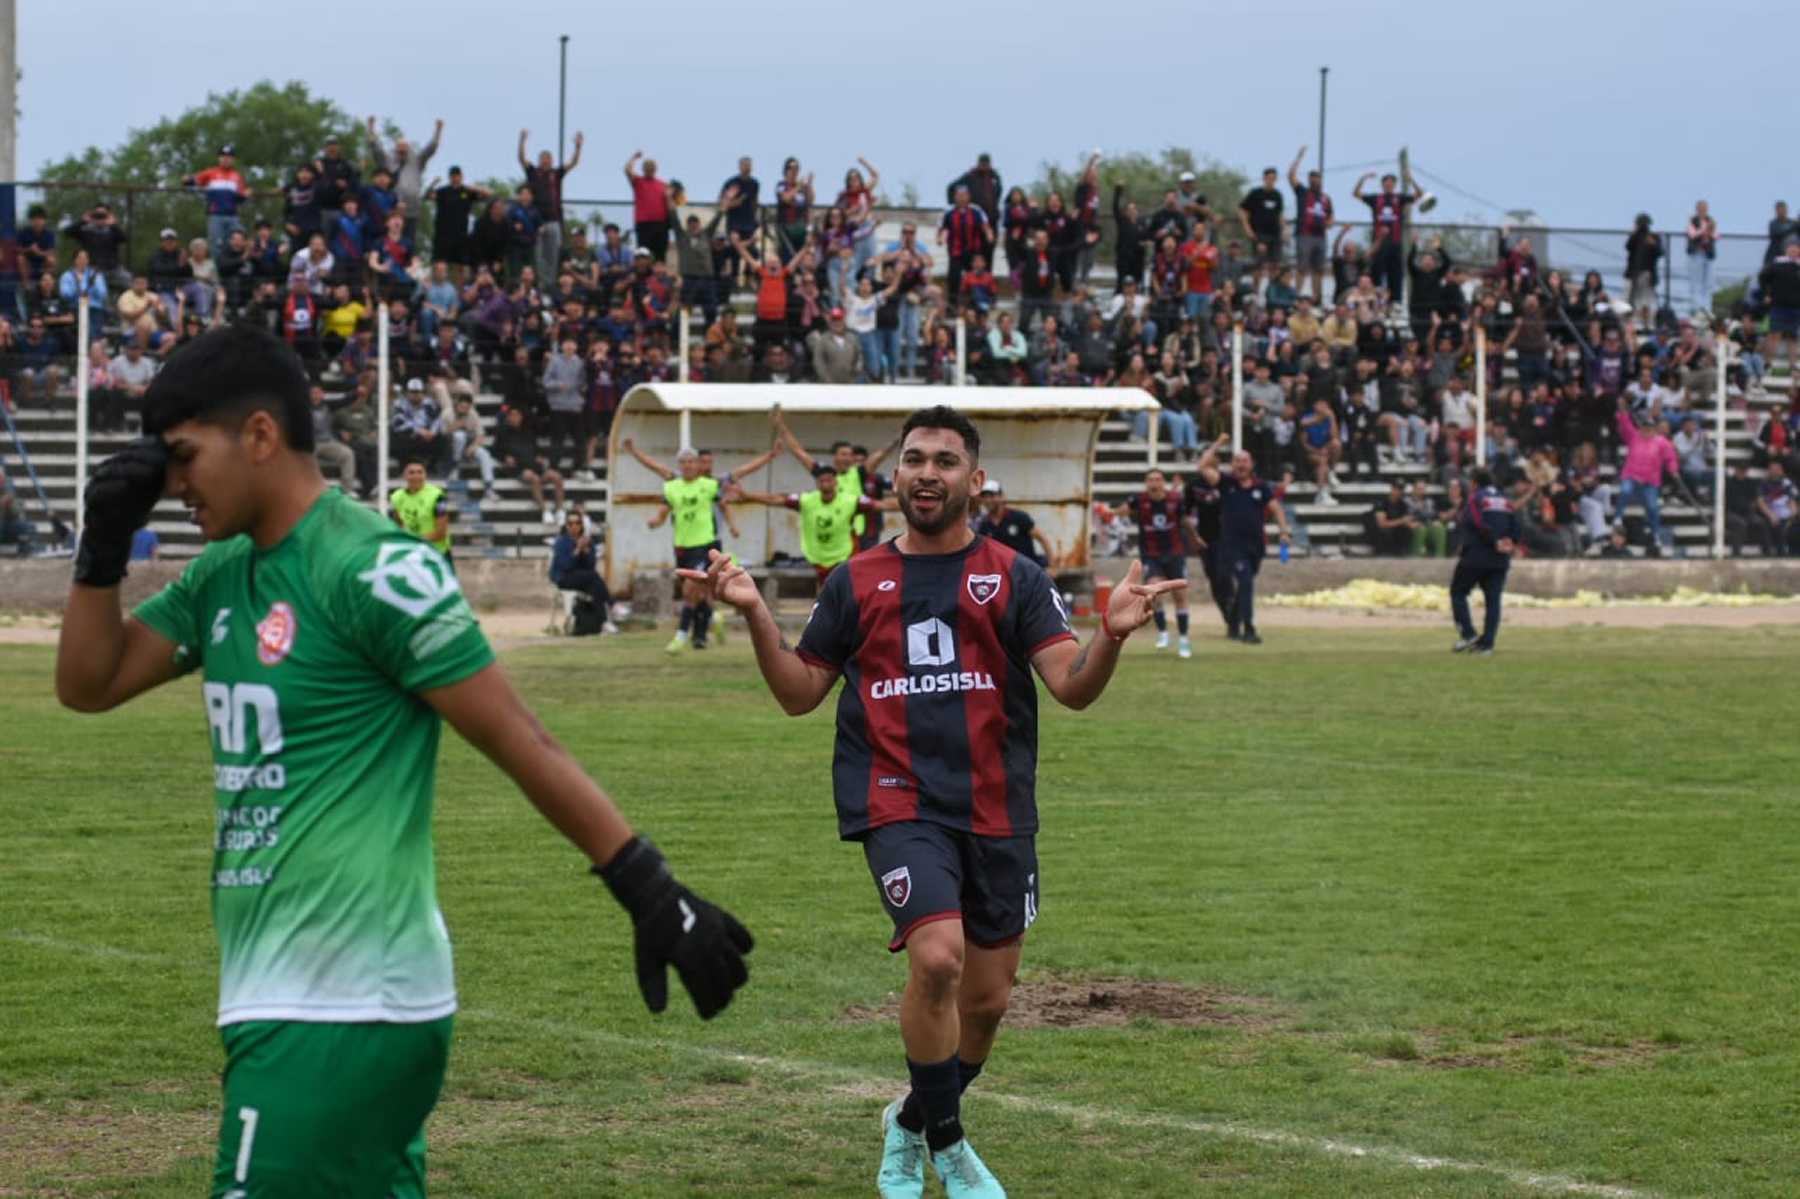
1648,454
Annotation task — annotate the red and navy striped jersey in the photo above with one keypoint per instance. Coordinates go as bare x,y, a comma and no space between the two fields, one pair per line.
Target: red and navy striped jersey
937,718
1159,524
965,231
1388,212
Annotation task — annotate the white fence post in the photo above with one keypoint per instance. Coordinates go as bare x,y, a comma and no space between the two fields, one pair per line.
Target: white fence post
962,352
383,407
1719,451
1481,375
1237,387
82,333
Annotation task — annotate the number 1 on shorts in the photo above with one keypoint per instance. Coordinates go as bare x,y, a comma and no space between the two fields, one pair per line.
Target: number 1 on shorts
245,1140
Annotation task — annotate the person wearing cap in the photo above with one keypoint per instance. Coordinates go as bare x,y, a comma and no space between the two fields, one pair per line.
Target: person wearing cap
827,516
168,269
225,192
836,354
417,428
455,202
1010,527
1192,200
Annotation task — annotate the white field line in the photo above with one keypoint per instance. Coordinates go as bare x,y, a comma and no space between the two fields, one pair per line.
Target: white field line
1555,1184
874,1084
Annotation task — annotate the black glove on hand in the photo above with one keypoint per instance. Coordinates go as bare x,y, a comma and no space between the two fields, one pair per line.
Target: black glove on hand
705,944
119,498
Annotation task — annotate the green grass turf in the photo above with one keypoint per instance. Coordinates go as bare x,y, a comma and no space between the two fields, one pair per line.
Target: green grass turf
1534,913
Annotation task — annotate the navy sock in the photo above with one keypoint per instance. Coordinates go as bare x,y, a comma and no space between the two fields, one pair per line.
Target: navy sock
702,622
938,1086
912,1117
1181,621
1162,621
687,616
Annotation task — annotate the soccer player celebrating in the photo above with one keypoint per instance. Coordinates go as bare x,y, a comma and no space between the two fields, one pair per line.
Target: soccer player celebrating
1162,549
1200,503
936,634
854,469
826,513
1244,503
1490,528
333,646
691,495
420,509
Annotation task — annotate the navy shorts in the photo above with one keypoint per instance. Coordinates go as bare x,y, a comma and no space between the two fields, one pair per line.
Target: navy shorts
693,557
928,872
1164,566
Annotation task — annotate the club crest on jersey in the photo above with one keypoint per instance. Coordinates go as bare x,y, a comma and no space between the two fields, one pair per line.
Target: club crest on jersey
897,886
275,634
983,588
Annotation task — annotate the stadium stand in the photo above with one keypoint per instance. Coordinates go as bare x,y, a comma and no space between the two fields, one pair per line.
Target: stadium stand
795,287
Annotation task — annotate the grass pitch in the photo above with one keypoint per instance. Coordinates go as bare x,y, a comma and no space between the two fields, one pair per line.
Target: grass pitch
1531,918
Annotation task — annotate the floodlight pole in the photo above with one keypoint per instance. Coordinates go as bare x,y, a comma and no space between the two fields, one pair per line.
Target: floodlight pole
562,96
1721,345
1323,71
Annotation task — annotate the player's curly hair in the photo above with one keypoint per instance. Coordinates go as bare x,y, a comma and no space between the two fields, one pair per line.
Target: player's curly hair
942,416
225,375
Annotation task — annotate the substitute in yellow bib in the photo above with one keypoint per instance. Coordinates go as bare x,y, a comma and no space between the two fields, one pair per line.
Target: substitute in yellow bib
420,508
827,517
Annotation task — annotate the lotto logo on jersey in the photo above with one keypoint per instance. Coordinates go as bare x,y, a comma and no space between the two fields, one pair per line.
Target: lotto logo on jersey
413,578
275,634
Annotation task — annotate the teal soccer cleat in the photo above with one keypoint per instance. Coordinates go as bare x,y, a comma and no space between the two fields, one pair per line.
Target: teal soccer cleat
902,1158
964,1175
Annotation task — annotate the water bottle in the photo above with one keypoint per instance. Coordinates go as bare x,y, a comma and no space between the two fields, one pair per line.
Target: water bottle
1284,553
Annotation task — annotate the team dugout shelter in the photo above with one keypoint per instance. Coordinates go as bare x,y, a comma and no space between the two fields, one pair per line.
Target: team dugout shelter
1038,442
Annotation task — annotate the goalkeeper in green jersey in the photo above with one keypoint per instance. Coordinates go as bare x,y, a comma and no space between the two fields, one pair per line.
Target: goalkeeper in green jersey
332,646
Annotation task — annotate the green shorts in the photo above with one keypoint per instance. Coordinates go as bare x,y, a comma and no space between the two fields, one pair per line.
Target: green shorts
328,1109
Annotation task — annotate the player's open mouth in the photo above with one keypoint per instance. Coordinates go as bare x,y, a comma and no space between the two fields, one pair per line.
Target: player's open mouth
927,499
197,514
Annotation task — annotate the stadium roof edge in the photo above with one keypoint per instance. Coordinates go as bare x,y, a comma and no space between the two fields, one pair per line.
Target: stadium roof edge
833,397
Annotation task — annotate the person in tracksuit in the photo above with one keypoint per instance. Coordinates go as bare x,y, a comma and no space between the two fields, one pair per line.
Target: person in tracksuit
1490,528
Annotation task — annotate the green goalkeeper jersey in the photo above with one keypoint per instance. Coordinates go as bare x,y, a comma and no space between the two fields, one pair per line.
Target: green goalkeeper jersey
323,883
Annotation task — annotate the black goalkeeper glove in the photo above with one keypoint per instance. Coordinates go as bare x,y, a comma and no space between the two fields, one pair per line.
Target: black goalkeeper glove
673,926
119,498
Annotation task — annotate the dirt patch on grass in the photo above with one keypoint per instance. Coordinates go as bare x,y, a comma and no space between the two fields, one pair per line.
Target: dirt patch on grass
79,1141
1515,1051
1108,1003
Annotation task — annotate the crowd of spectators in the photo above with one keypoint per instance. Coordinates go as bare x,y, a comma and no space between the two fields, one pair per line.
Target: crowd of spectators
1358,340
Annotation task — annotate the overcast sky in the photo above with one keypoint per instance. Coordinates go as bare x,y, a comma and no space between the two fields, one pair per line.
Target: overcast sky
1585,112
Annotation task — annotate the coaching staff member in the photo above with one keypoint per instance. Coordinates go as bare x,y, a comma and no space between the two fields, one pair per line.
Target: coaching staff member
1489,529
